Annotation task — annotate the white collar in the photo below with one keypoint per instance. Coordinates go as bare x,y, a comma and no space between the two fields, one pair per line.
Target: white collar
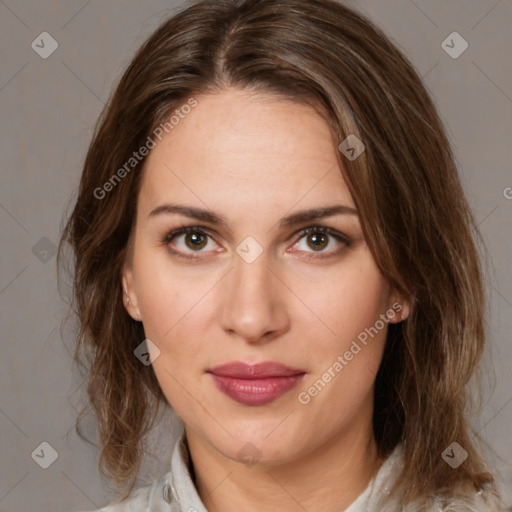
178,487
176,491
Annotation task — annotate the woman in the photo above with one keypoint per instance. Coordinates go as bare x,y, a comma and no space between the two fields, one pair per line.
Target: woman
270,236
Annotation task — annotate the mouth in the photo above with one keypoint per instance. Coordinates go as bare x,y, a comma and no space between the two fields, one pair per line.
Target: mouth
257,384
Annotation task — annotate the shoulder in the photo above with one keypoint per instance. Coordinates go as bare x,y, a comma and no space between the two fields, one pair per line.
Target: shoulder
380,498
469,502
151,498
483,501
172,492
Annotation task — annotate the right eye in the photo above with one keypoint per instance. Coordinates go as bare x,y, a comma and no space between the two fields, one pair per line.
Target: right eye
188,240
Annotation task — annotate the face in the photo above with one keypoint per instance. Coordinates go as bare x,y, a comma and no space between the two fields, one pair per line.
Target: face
270,325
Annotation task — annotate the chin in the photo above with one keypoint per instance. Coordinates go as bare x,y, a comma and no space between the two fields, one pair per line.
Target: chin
264,443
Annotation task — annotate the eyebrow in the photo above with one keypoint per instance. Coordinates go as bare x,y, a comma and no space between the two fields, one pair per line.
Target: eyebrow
300,217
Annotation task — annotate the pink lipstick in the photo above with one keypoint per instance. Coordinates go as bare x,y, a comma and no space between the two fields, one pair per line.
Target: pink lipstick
257,384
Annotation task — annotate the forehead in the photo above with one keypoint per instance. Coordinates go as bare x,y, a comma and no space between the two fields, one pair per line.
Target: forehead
235,147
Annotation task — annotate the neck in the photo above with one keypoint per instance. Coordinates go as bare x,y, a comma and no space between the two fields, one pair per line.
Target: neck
328,479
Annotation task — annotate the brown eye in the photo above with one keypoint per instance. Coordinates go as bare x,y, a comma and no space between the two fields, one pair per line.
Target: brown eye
318,241
195,240
186,241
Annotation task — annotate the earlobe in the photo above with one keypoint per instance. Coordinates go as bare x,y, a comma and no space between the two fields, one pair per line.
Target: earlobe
400,310
404,314
128,293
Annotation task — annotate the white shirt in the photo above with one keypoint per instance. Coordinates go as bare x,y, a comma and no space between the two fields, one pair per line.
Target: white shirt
176,492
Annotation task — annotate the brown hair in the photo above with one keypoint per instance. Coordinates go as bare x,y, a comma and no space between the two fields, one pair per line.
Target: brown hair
405,185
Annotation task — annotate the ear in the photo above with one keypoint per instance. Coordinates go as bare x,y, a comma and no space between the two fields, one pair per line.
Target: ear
399,308
128,290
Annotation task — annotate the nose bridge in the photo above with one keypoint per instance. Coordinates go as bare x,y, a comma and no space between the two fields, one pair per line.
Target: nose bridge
253,306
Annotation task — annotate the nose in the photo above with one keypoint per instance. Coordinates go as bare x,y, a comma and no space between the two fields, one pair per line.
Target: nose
253,302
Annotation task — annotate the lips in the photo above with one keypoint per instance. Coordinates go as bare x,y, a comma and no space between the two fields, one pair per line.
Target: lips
257,384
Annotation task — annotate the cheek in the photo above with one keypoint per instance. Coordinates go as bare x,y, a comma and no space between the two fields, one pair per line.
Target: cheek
345,301
167,299
176,309
347,354
172,310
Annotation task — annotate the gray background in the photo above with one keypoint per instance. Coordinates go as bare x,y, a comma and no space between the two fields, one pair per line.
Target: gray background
48,110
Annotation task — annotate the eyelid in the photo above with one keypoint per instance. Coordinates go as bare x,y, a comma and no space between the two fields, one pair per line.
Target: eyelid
183,230
319,228
173,233
301,233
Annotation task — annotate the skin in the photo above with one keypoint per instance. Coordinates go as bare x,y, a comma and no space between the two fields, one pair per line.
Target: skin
253,160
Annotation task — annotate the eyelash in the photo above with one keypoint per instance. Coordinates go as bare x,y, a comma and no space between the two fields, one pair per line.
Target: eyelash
305,232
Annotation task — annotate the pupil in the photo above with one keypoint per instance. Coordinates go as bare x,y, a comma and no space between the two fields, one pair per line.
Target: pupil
195,239
318,240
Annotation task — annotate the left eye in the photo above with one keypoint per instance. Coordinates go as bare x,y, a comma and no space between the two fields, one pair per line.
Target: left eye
319,238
